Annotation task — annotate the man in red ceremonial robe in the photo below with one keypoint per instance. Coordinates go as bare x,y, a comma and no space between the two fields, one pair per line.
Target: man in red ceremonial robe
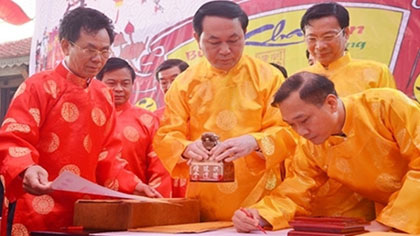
63,120
136,127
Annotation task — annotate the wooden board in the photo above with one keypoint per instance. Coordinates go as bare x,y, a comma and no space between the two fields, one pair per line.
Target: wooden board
130,214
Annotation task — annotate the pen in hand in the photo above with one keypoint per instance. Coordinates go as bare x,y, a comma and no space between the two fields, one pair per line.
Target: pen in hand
250,216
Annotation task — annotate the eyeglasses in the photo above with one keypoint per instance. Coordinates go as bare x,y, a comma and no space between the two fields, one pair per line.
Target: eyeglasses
92,52
326,38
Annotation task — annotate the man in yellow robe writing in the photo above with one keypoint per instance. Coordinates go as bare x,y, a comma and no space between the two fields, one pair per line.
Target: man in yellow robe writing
227,93
369,142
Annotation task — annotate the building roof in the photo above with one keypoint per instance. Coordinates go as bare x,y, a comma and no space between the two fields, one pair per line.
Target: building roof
15,54
17,48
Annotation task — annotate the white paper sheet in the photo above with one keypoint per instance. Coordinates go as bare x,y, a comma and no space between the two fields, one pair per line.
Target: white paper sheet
67,181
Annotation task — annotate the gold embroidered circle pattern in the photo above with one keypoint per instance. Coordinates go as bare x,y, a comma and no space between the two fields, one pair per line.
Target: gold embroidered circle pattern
267,145
15,127
71,168
43,204
387,183
343,165
20,90
50,87
19,230
87,143
8,120
112,184
50,143
69,112
271,181
102,155
226,120
98,116
227,188
131,134
18,151
147,120
36,114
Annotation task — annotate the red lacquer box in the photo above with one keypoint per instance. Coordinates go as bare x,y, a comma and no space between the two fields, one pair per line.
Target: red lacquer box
327,226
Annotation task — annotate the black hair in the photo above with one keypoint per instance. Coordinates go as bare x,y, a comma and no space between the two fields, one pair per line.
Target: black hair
323,10
313,88
87,19
115,63
280,68
182,65
225,9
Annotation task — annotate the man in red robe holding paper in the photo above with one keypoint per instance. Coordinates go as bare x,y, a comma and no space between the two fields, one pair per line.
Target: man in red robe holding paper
63,120
135,127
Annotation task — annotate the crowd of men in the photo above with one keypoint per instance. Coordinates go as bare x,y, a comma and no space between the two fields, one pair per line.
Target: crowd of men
335,139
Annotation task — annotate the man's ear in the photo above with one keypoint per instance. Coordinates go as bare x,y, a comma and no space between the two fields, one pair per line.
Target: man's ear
197,38
65,46
331,101
347,33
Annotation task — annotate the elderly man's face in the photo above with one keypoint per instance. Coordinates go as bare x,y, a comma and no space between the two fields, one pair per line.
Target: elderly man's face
315,123
88,54
222,41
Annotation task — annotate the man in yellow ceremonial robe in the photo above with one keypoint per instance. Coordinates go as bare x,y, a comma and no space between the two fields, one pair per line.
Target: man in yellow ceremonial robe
326,28
229,94
369,142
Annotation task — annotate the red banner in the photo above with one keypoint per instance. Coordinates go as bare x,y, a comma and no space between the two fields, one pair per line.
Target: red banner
381,30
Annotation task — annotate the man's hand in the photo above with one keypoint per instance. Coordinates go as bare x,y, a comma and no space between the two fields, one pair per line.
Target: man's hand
196,151
234,148
145,190
35,180
246,220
